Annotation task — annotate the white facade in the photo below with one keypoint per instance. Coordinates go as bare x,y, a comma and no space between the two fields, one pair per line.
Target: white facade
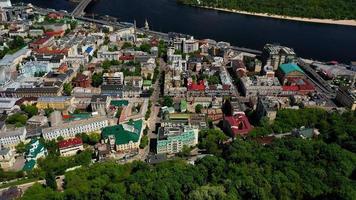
113,78
70,129
10,139
71,151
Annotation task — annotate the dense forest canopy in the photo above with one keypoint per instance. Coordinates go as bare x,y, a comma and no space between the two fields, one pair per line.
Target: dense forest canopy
286,169
324,9
334,127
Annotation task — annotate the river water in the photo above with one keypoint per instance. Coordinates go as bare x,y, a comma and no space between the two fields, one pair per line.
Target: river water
317,41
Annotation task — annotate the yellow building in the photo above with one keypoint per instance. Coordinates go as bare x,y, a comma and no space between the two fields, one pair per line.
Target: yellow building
57,103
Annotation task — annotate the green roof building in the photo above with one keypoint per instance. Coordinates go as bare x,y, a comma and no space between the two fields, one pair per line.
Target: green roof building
124,137
36,150
289,71
290,67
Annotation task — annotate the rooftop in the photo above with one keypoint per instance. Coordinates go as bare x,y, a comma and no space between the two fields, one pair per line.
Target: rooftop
124,133
70,143
119,103
290,67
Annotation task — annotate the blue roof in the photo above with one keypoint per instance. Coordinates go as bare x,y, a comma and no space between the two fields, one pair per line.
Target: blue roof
89,49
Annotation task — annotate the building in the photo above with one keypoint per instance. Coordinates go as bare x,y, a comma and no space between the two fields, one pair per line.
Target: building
214,114
131,92
112,90
275,55
36,150
147,85
100,102
38,120
186,45
70,147
11,138
239,67
57,103
35,68
267,106
9,63
289,70
305,133
260,85
8,105
70,129
81,80
7,158
134,81
106,54
239,124
347,97
35,32
124,137
102,151
42,42
299,86
171,140
116,78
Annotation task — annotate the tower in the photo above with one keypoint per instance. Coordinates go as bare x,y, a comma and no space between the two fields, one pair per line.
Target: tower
147,27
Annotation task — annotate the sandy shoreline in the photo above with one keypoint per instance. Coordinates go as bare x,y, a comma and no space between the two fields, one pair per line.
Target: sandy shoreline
310,20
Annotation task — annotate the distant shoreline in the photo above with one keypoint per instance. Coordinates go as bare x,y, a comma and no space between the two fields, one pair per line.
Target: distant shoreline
301,19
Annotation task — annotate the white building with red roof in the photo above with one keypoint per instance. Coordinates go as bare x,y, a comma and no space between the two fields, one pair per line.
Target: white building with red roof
70,147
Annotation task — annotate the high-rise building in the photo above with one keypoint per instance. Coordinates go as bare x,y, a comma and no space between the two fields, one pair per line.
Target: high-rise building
275,55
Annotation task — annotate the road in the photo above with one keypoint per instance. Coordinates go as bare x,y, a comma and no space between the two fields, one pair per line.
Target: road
24,186
79,10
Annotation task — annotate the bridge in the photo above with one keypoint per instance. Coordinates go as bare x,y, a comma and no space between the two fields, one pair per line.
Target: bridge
79,10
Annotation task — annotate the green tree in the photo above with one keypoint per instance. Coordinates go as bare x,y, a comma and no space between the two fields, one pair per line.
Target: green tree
48,111
30,110
185,151
126,45
212,140
198,108
51,180
67,89
17,119
208,192
21,148
167,101
144,142
97,79
94,138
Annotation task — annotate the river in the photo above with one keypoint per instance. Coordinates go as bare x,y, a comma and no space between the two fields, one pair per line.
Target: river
317,41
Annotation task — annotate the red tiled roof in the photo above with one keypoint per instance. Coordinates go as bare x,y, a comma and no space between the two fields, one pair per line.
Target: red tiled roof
196,87
54,33
298,84
70,142
239,124
127,57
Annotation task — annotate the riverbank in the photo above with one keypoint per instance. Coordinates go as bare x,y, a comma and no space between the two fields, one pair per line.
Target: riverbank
301,19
